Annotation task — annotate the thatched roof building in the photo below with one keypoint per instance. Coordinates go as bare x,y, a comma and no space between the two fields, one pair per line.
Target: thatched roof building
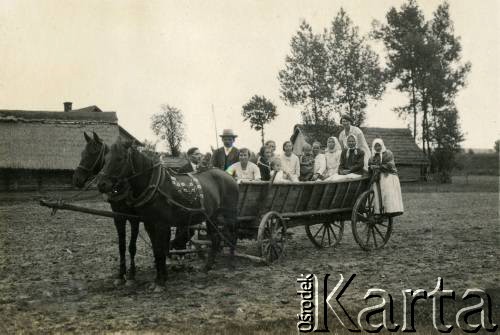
49,141
410,160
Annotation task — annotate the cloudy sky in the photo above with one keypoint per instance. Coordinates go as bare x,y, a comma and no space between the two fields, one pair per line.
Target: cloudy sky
132,56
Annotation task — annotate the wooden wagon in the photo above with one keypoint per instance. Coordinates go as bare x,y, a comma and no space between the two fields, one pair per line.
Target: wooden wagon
266,210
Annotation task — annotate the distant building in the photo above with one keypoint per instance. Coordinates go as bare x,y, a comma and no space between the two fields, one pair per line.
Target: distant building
40,149
411,162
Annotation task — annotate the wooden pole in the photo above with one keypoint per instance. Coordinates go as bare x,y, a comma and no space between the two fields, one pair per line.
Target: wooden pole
109,214
215,126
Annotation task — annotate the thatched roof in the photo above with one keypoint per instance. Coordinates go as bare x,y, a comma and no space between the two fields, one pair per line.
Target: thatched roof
51,140
85,114
398,140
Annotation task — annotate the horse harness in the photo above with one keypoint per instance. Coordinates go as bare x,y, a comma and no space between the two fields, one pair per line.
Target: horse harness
99,161
187,189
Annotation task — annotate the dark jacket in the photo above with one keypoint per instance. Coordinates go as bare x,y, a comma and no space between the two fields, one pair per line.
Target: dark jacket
221,161
186,168
265,169
354,163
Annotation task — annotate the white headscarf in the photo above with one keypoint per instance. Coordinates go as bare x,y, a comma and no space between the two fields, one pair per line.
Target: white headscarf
338,147
379,141
355,145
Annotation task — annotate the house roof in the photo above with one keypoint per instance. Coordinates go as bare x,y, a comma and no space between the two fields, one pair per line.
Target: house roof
398,140
52,140
78,115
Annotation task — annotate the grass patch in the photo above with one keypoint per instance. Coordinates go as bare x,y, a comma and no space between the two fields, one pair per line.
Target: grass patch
471,183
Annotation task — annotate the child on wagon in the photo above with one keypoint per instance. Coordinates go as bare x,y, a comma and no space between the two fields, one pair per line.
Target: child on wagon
306,163
277,174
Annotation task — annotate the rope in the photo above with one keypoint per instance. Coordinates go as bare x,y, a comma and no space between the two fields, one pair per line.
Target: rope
76,197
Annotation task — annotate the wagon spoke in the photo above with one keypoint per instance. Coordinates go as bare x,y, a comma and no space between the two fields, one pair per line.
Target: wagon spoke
367,236
379,232
370,199
269,251
274,252
333,233
328,231
317,232
323,237
336,225
374,239
268,231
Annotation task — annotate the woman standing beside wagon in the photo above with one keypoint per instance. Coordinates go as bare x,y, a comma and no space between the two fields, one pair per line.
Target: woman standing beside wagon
383,167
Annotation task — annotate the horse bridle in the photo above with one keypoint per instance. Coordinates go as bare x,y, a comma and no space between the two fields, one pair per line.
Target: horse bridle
98,162
129,165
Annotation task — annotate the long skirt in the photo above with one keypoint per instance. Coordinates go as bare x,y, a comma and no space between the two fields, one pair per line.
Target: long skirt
391,194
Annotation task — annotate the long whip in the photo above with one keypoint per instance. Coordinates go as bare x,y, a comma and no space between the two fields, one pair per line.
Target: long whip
215,126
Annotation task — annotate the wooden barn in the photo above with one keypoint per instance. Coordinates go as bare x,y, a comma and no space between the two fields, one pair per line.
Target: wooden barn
411,162
39,150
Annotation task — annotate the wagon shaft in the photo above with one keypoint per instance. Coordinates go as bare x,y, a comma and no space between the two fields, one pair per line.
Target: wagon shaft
109,214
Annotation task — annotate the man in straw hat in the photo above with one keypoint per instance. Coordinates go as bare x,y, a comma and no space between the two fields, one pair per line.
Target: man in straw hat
227,155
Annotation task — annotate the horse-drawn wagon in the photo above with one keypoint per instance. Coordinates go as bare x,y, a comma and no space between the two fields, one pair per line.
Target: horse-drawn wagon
323,207
266,210
258,209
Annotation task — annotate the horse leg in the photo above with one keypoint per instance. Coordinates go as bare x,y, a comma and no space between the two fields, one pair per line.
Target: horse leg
231,221
160,249
215,239
120,225
132,248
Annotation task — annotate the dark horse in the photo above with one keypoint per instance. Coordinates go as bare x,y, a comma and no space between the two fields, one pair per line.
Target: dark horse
91,163
159,198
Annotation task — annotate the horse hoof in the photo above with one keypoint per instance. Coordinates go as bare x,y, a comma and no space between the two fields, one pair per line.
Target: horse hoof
130,283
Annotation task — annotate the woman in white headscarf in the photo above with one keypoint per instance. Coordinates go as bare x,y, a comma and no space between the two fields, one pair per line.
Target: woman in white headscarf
349,130
332,156
351,161
382,164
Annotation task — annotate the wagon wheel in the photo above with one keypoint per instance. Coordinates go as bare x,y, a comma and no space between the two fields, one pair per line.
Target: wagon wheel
271,237
371,231
325,235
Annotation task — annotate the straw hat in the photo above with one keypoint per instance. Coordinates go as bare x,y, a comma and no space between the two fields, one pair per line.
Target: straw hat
228,133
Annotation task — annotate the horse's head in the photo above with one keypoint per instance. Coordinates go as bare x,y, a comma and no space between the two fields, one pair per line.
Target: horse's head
92,160
117,167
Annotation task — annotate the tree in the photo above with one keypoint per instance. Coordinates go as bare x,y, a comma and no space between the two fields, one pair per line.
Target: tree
149,149
169,126
446,74
259,111
304,80
446,136
425,58
497,146
353,67
404,37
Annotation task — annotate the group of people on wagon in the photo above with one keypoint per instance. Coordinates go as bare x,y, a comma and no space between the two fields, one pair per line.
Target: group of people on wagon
344,158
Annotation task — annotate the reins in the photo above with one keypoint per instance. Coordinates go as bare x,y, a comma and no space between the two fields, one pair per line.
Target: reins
130,164
100,158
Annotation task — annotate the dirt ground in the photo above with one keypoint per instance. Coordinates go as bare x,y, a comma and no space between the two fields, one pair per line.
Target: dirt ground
57,272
